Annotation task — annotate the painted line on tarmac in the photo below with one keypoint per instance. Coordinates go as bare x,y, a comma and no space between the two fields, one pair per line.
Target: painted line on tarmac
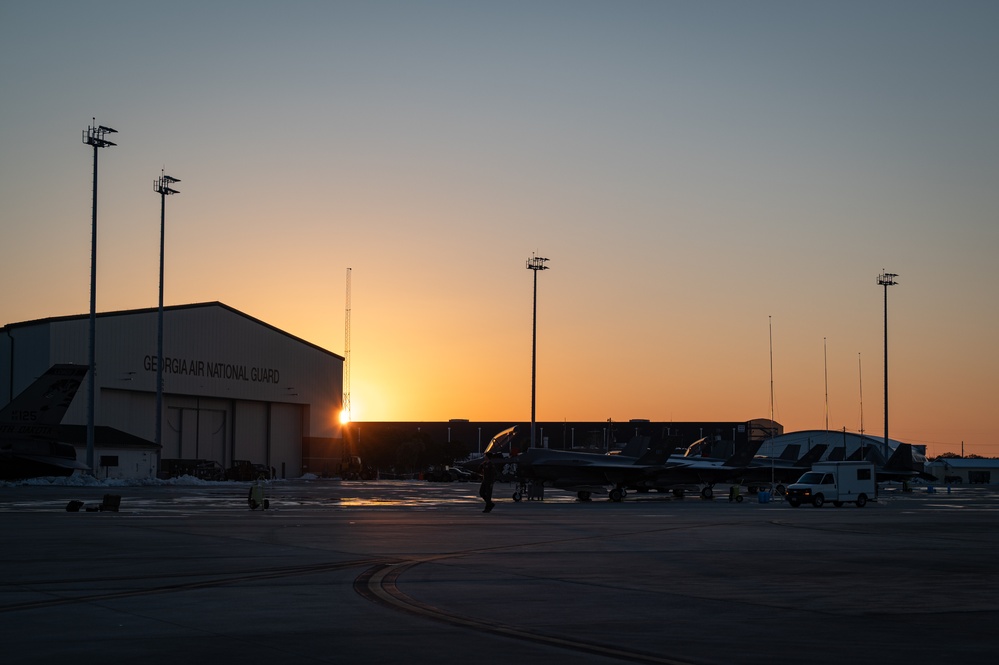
378,584
267,574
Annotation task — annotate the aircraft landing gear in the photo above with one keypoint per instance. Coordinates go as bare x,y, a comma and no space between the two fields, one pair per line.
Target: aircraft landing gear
617,494
707,493
583,495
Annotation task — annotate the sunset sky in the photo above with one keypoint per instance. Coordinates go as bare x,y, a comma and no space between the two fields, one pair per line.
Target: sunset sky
693,170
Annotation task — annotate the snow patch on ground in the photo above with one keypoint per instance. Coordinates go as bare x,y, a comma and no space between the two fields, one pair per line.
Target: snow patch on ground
84,480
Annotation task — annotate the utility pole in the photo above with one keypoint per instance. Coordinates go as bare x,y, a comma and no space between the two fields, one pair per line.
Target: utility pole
535,263
93,136
163,187
886,279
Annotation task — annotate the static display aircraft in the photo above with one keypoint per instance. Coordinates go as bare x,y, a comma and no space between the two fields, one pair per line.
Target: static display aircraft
780,471
29,427
590,473
684,471
901,467
581,472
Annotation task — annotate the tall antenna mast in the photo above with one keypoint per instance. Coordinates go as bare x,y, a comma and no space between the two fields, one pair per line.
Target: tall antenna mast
860,373
770,323
825,365
345,412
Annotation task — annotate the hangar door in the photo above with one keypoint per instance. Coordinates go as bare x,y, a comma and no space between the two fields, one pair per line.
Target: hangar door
269,433
286,440
195,433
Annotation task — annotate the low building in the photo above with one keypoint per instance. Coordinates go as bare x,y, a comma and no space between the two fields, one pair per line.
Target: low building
967,471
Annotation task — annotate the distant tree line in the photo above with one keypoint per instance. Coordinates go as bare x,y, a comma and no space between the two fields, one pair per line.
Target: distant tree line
956,456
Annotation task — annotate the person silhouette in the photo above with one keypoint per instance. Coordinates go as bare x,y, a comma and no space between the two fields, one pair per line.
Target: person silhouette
488,472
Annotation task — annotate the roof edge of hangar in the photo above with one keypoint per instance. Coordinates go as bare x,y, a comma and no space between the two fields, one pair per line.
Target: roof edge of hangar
147,310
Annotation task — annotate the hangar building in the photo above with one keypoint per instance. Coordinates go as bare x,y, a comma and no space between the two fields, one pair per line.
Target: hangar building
234,387
839,446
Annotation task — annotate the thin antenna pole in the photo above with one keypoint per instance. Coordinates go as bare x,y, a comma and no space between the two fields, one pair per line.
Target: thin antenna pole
772,425
860,373
825,362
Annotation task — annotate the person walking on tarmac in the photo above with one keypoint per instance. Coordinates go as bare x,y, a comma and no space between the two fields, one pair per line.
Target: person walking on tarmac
256,496
488,472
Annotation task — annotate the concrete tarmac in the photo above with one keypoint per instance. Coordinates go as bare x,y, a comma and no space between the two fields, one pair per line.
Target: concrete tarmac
412,572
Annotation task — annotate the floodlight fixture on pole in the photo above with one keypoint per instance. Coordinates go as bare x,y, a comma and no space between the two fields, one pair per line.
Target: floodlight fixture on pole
96,137
535,263
163,187
886,279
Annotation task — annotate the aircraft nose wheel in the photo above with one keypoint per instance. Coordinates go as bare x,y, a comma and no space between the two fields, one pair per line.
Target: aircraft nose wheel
617,494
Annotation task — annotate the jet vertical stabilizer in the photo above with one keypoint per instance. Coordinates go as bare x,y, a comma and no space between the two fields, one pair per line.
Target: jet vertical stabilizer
29,426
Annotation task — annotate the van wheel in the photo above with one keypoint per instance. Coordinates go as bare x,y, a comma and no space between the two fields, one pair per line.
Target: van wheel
818,500
861,501
516,497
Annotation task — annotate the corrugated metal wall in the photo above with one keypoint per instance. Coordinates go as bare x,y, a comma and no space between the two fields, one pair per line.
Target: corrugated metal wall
234,387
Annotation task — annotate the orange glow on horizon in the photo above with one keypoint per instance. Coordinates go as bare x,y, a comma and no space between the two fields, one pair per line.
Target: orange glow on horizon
699,262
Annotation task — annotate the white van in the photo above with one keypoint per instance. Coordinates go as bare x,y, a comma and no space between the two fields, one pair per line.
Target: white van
839,482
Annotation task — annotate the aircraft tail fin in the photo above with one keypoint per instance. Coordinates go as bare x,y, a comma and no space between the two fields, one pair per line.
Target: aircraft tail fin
656,454
855,456
790,452
836,454
812,456
874,455
636,447
40,407
744,456
901,459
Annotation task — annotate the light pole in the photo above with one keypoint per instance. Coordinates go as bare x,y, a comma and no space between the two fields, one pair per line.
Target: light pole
886,279
93,136
161,186
535,263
